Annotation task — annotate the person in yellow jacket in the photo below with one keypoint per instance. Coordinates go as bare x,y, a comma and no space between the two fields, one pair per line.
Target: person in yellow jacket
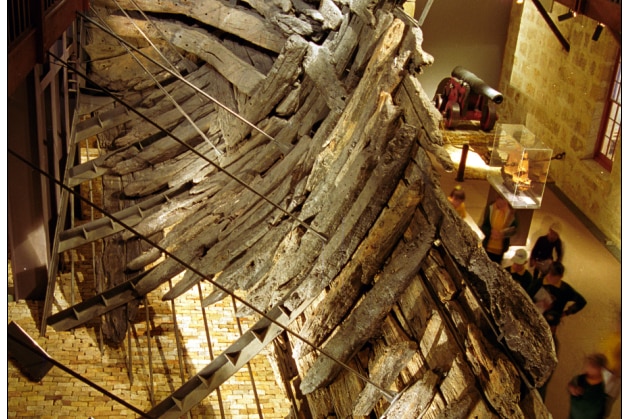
500,223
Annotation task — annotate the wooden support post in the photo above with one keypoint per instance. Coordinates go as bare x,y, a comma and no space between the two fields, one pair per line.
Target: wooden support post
460,175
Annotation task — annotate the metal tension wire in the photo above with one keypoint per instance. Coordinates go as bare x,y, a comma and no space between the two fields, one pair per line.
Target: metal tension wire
385,392
192,149
158,84
282,146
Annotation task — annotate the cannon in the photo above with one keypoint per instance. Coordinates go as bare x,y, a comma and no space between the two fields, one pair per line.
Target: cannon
464,96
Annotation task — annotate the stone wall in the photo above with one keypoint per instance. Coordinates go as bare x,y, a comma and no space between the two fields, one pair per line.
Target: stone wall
560,97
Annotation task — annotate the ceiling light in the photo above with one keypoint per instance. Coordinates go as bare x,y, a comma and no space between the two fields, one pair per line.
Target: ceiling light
597,31
569,15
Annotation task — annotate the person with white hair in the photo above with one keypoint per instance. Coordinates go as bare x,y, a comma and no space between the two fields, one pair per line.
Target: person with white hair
519,272
547,249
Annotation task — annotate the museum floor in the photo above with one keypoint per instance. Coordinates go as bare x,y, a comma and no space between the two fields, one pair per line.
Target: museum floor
591,268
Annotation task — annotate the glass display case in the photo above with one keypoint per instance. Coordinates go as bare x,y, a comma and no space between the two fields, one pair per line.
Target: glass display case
519,165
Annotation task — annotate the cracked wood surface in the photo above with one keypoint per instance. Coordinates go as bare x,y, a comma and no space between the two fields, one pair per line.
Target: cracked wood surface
341,207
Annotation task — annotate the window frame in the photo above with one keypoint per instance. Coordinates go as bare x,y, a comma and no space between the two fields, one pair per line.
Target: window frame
602,153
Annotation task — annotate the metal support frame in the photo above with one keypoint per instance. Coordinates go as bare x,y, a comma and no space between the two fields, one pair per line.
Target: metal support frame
549,21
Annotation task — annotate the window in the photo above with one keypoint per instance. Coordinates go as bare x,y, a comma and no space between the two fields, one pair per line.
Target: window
609,135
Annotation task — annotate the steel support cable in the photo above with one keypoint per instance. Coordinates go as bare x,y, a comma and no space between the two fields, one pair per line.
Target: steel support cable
158,84
175,49
282,146
48,358
193,150
389,395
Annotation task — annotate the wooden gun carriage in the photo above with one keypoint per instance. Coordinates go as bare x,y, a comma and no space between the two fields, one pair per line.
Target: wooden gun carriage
464,96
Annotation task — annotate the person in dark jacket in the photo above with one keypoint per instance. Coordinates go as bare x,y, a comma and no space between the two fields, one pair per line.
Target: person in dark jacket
547,249
587,390
555,298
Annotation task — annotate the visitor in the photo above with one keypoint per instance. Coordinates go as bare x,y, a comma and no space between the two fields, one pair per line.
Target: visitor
499,225
587,390
457,199
547,249
519,272
555,298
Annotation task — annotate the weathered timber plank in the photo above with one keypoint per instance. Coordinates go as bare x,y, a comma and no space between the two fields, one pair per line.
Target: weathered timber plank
169,213
320,402
110,267
295,263
196,243
415,309
412,98
365,263
532,405
269,8
436,335
259,59
319,66
347,386
172,173
232,246
129,71
524,331
394,155
167,118
166,148
366,318
359,107
383,371
234,20
298,25
331,14
178,89
359,206
393,334
415,400
498,377
413,41
344,44
445,287
210,49
369,38
312,108
364,9
271,91
256,143
459,391
250,268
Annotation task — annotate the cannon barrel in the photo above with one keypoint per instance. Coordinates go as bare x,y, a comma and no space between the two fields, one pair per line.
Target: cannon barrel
478,85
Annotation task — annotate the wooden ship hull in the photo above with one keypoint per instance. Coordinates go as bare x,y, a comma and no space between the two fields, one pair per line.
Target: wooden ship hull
286,153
